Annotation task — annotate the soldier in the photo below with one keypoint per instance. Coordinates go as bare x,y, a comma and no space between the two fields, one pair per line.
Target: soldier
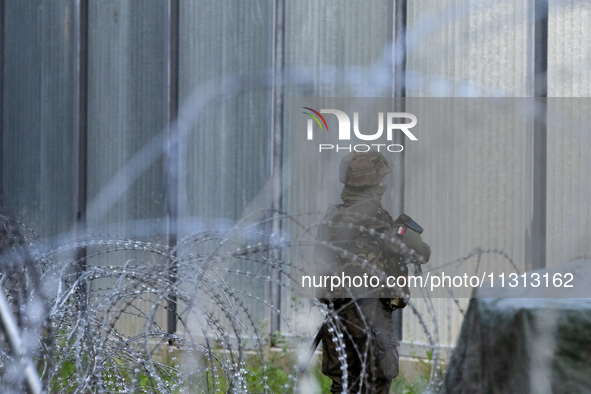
360,349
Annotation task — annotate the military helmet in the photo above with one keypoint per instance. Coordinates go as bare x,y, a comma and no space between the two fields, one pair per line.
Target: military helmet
362,169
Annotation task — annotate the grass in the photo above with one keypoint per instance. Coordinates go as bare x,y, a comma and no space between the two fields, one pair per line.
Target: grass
402,386
279,379
279,366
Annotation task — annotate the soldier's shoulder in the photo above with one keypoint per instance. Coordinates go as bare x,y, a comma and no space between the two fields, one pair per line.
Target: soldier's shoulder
383,213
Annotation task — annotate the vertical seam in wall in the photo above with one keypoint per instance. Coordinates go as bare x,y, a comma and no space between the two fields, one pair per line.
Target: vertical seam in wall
80,132
276,151
1,95
80,112
171,162
397,24
540,151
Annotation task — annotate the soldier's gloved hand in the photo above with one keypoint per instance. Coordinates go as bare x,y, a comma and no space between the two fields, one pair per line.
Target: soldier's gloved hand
425,252
399,302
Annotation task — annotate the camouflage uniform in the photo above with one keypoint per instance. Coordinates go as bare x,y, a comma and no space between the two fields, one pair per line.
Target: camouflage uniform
358,239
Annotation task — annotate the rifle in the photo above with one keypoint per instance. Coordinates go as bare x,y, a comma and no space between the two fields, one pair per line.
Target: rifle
302,367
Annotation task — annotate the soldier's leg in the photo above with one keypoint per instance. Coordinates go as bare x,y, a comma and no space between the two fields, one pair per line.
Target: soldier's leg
353,336
331,365
382,386
355,323
384,352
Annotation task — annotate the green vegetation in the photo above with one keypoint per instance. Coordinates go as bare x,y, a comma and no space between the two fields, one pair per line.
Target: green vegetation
279,377
116,374
279,366
401,385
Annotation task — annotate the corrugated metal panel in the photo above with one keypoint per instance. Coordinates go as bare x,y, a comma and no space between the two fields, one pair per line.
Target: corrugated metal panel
458,48
37,122
127,108
468,48
465,185
127,105
337,48
224,162
569,48
569,179
332,48
569,183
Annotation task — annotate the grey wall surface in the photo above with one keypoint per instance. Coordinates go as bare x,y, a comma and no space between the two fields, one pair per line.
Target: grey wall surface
332,48
224,163
473,49
469,48
37,115
127,106
225,57
569,182
569,48
337,49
